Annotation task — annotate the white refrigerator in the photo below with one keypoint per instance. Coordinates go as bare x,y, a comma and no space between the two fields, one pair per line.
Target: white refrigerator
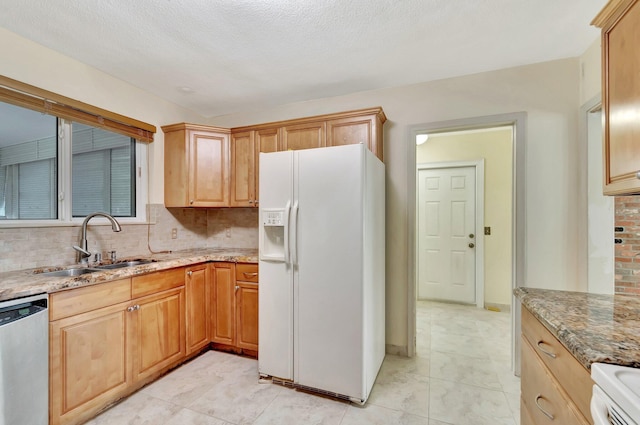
322,269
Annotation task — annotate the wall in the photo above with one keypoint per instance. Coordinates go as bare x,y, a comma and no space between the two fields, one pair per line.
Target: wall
495,147
627,261
548,92
591,72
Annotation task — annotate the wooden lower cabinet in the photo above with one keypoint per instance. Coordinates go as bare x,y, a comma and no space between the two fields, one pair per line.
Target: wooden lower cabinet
198,293
235,307
555,387
158,331
99,356
89,361
223,303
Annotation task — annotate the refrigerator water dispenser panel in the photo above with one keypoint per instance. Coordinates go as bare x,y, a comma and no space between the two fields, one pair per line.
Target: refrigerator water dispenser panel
273,243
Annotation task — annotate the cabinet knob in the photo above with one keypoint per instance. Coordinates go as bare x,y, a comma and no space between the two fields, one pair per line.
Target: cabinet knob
189,273
130,309
251,201
638,175
191,201
237,287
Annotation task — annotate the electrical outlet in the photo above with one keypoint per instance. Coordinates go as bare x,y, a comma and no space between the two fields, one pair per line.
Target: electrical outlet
487,230
174,233
227,232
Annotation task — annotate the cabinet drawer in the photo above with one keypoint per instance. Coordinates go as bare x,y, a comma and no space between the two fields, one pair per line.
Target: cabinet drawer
156,282
80,300
247,272
575,379
542,397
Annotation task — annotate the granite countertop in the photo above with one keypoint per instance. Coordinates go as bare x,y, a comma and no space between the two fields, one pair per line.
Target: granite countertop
594,328
22,283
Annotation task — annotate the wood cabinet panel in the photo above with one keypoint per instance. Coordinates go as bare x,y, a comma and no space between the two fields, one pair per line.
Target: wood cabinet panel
267,140
567,370
223,303
542,396
197,166
209,169
198,294
247,315
156,282
158,330
88,363
80,300
620,23
303,136
243,167
366,130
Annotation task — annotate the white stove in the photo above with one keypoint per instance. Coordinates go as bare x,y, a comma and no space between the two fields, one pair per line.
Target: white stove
616,395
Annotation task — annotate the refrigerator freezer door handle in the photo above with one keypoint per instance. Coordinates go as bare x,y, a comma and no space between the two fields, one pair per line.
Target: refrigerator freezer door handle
287,213
294,250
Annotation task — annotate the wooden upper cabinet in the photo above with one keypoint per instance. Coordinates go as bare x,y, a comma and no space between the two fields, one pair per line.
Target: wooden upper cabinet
304,136
620,23
243,169
365,129
196,170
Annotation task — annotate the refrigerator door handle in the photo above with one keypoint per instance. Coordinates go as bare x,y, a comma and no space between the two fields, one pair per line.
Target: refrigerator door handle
287,214
294,250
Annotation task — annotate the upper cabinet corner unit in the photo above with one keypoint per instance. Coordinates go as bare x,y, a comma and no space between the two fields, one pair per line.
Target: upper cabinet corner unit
215,167
620,23
196,166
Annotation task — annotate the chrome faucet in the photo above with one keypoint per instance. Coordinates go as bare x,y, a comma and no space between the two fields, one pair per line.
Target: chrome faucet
83,249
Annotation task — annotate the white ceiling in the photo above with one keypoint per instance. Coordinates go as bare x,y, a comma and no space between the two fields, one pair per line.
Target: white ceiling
223,56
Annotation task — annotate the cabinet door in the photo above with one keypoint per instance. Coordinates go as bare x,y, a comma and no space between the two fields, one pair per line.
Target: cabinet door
266,141
158,332
88,363
247,315
243,171
198,293
622,103
223,303
353,130
209,169
304,136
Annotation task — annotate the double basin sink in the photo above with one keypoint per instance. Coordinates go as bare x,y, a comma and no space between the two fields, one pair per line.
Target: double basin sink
78,271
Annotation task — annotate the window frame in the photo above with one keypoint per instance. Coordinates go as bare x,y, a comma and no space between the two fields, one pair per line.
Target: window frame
64,194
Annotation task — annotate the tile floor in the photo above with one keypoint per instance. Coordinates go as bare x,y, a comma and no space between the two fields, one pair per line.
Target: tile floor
461,376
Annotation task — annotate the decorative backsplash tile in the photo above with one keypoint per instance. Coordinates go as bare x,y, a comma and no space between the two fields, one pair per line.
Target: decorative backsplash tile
627,246
29,247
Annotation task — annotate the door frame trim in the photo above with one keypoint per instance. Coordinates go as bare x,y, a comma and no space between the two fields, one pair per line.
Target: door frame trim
478,164
518,120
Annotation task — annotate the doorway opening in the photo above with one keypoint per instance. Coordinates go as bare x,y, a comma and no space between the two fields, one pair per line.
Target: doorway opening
500,232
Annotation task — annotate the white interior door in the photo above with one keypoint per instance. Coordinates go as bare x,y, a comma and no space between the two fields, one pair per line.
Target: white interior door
447,234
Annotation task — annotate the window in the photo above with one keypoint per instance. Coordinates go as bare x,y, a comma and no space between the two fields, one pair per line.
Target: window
44,158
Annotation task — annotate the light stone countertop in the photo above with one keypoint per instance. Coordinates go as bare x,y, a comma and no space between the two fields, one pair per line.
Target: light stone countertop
22,283
594,328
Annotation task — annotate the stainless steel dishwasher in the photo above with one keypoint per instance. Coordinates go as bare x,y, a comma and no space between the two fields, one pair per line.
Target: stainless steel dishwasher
24,361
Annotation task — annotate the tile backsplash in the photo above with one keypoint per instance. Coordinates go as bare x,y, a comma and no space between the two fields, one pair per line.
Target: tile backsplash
627,264
29,247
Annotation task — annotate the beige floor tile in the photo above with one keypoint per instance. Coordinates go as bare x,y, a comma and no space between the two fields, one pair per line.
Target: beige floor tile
464,369
189,417
402,391
138,409
370,414
461,344
292,407
461,404
398,364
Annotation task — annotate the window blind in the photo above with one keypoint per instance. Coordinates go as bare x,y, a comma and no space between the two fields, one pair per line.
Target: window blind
31,97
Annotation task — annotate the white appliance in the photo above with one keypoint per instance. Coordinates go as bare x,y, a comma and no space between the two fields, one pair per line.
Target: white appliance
616,395
322,269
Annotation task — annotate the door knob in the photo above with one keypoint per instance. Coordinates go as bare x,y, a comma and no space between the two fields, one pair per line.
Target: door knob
471,245
471,235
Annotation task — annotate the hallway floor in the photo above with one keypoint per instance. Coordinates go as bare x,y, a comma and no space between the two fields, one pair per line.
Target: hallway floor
461,376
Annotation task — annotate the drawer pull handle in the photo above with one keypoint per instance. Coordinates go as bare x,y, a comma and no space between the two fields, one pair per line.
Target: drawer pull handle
548,353
547,414
247,274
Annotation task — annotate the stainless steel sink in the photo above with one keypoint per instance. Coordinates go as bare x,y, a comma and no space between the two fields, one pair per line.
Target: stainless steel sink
71,272
124,264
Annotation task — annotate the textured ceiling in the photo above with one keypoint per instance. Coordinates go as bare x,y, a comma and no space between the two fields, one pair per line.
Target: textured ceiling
223,56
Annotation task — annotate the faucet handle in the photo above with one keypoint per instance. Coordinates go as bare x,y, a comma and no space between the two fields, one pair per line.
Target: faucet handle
98,257
112,255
